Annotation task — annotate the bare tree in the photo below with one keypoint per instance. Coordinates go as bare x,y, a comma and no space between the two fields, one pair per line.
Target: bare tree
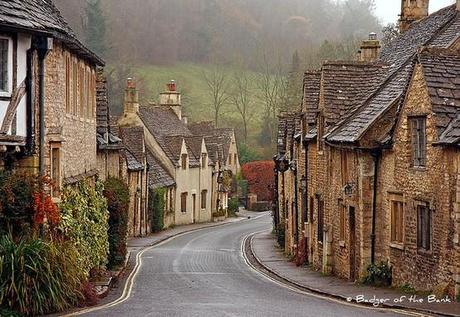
242,100
271,84
218,90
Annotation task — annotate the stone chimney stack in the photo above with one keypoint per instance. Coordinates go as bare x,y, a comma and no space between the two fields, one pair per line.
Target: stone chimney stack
411,11
171,98
370,49
131,102
458,5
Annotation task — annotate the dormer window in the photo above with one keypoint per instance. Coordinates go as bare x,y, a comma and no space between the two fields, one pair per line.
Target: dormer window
204,160
5,65
184,161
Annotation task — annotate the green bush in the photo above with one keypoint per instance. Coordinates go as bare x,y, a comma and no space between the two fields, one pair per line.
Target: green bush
117,194
84,220
378,274
233,207
157,209
280,232
37,277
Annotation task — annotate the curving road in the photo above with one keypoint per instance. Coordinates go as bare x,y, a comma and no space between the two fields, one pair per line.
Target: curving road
204,274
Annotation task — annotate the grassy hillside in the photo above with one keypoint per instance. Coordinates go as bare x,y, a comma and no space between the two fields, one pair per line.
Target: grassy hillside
195,97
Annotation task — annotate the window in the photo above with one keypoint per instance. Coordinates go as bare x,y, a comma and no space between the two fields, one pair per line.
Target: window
204,197
235,159
397,222
423,228
184,161
56,170
230,159
320,220
418,137
343,214
4,58
68,74
183,202
204,160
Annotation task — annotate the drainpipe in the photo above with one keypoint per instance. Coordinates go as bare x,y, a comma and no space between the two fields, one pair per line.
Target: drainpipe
30,104
44,45
376,158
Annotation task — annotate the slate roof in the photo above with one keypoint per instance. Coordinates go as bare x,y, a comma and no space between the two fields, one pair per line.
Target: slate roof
158,175
42,16
106,139
289,124
437,30
441,69
222,136
133,140
311,88
345,85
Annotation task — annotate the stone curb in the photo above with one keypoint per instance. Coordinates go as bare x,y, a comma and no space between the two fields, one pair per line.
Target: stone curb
338,296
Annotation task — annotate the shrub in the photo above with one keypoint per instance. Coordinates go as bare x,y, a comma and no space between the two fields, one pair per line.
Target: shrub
233,207
280,232
84,220
378,274
117,194
36,277
260,177
157,208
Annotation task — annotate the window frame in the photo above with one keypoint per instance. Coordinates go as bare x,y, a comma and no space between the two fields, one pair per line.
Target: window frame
320,222
204,199
183,202
9,69
397,221
184,157
418,140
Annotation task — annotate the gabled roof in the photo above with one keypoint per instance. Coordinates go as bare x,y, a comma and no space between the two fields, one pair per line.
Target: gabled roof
289,124
222,136
42,16
436,31
158,175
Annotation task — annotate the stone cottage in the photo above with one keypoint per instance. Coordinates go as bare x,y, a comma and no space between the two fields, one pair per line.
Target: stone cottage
48,94
378,148
184,164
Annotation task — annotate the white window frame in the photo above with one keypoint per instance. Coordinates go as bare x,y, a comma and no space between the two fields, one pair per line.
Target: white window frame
10,68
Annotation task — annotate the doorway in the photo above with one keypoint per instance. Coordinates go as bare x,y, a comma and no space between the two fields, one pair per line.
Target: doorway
194,207
352,239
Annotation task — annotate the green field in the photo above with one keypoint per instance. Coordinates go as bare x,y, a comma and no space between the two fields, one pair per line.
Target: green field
195,99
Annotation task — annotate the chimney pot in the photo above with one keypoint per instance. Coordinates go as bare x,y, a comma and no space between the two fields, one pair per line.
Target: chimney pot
373,36
171,86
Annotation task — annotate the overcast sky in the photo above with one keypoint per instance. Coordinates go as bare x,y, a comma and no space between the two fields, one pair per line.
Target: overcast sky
388,10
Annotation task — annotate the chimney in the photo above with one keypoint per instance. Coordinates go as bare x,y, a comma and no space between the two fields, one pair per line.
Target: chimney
185,120
171,98
411,11
458,5
131,102
370,49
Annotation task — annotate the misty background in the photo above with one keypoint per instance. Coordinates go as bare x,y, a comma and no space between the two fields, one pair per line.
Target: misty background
237,62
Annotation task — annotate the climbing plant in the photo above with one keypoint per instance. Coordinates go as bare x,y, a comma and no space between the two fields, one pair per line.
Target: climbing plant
117,194
84,220
156,208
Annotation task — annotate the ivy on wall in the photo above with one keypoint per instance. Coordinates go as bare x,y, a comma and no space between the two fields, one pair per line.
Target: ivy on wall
84,220
156,208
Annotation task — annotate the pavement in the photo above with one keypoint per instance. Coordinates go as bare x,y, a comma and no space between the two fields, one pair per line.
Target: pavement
205,273
272,258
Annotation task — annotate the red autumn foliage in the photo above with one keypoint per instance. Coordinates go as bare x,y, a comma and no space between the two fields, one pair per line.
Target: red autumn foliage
45,210
260,178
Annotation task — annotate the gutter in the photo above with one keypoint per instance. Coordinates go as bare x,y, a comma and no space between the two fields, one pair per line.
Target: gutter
44,45
376,154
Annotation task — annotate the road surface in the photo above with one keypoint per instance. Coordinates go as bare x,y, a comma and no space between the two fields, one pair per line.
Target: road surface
204,274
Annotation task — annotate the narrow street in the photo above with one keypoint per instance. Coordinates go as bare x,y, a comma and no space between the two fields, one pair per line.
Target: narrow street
204,274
